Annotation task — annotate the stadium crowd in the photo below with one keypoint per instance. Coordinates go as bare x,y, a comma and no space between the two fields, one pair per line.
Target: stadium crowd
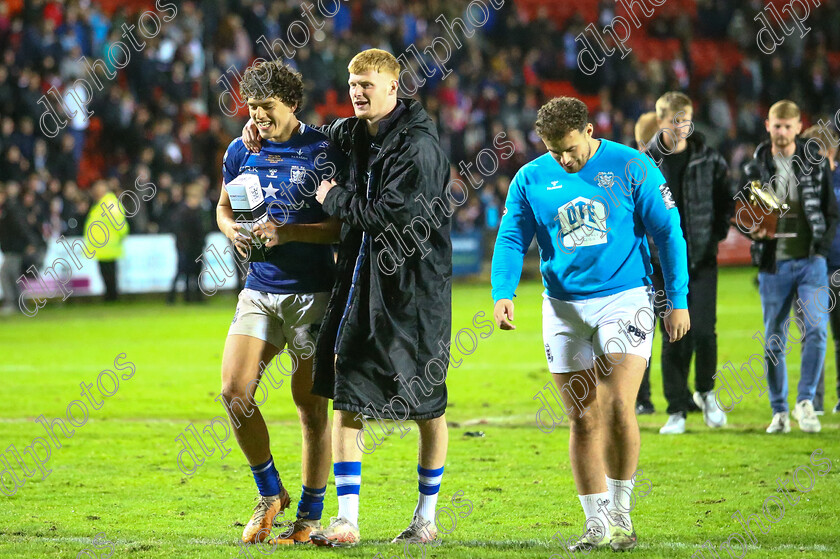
160,118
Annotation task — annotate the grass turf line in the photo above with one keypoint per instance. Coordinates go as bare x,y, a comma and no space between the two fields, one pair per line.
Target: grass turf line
118,475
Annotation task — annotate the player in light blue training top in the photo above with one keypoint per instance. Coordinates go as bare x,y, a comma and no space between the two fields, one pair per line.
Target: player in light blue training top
589,202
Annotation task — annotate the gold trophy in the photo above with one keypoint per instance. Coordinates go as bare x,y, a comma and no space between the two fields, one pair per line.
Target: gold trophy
760,212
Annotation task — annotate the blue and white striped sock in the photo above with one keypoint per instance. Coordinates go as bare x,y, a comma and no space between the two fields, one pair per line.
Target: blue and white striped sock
311,503
429,486
348,481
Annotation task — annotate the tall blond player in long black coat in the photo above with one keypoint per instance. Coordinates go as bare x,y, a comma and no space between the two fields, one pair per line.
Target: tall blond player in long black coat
382,345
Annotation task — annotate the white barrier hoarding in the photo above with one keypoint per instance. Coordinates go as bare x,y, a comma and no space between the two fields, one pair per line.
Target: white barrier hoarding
148,265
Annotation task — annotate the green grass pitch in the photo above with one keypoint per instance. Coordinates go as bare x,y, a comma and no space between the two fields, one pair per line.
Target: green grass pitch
117,475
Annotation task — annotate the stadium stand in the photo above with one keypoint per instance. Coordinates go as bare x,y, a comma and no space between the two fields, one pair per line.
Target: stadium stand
160,117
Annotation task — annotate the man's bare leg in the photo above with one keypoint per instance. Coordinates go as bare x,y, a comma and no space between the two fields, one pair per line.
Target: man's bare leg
431,457
315,427
616,398
586,454
315,456
434,441
240,368
586,445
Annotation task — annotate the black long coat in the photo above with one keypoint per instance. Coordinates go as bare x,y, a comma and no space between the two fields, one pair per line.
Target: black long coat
391,305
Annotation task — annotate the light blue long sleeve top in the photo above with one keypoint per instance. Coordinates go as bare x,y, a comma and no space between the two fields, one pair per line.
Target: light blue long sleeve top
590,227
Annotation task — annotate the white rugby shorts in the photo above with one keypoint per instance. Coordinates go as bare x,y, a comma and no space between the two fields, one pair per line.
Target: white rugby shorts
576,332
280,319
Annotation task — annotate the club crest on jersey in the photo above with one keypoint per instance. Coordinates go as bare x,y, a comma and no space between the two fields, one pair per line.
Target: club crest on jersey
667,197
605,179
297,174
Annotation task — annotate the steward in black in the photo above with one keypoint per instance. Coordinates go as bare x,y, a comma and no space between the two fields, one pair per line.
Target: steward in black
389,319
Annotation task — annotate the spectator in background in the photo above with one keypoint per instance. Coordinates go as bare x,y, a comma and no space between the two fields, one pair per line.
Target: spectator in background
828,150
16,240
107,211
698,178
795,262
35,215
645,129
188,225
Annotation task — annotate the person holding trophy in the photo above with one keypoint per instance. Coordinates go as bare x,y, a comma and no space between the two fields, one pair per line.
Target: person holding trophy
789,210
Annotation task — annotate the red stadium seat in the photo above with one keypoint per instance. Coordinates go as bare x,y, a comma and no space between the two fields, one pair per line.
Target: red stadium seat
332,107
558,88
707,53
110,6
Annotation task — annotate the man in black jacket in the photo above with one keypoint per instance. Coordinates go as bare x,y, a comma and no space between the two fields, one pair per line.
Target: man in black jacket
699,181
794,261
188,225
383,346
16,241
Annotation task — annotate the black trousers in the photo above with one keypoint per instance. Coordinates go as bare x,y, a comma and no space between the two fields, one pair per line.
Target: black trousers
108,269
188,269
700,342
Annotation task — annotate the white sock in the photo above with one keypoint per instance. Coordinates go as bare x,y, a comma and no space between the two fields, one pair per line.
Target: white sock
595,508
348,481
426,505
428,486
621,497
348,507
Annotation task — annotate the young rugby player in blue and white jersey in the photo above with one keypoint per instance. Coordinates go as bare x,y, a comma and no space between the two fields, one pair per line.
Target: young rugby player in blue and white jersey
285,297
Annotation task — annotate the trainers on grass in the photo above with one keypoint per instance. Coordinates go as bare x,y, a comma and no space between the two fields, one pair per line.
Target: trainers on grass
594,538
622,533
780,423
712,414
296,533
340,533
419,531
804,413
675,425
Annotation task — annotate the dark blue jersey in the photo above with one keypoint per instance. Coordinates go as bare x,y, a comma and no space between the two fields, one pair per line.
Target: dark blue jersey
289,174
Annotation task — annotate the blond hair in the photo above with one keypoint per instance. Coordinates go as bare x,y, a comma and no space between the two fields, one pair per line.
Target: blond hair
377,60
823,136
671,103
646,128
784,109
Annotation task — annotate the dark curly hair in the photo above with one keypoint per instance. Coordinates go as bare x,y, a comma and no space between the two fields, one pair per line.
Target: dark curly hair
560,116
273,79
